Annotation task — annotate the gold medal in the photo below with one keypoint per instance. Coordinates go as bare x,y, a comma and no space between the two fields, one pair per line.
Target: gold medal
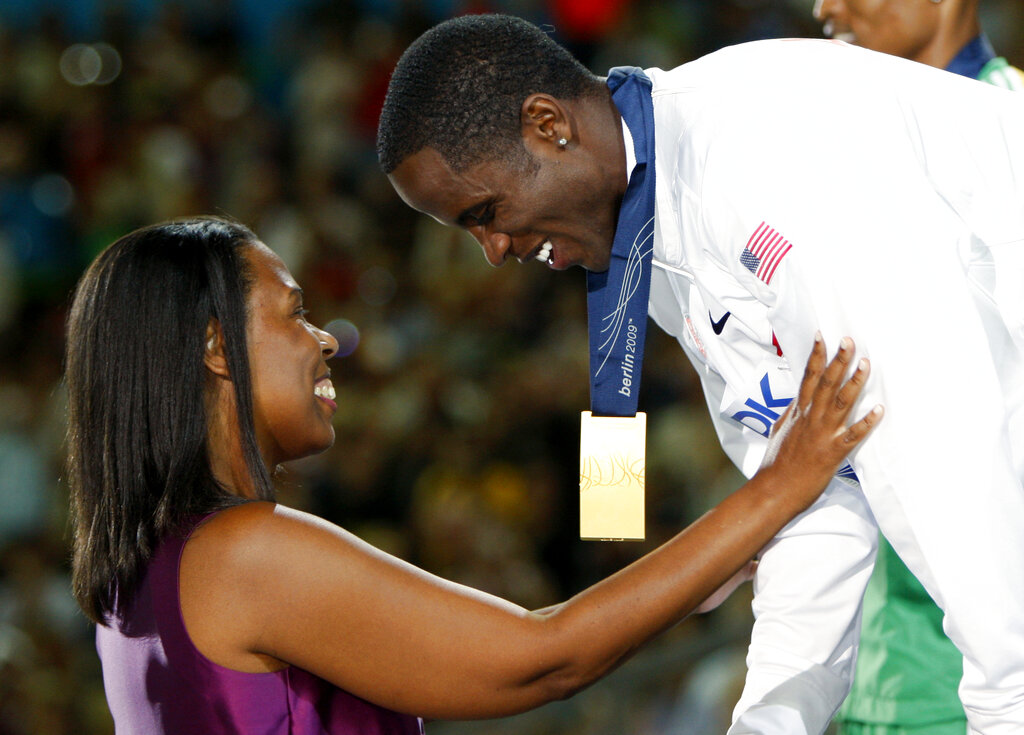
612,469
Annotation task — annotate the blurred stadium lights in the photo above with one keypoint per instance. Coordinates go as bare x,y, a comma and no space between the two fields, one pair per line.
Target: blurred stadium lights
82,64
347,335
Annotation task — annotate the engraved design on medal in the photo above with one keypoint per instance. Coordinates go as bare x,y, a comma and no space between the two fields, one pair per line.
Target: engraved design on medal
611,471
612,476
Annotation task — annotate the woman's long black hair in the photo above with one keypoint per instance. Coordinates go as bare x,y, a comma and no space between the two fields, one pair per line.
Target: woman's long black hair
138,466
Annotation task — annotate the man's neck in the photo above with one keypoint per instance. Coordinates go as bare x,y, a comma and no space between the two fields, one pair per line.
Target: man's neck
609,126
956,31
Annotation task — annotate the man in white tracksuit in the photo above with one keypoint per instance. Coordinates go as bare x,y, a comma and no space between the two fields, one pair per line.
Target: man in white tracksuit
805,185
913,245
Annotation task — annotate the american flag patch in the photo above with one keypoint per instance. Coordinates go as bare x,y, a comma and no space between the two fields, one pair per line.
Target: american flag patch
764,251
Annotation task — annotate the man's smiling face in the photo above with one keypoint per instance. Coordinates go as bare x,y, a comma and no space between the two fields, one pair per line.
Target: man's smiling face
560,208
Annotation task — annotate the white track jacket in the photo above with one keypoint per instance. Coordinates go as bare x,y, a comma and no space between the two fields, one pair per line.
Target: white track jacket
806,185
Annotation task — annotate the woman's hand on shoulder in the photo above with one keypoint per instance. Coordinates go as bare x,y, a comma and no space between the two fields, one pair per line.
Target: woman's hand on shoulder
813,436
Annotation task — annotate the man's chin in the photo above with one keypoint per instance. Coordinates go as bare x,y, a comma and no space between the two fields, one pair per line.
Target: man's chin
599,265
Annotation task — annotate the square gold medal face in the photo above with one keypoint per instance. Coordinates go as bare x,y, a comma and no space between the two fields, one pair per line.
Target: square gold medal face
612,468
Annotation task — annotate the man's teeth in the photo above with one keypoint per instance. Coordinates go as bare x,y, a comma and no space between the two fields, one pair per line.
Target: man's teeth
545,252
830,31
325,390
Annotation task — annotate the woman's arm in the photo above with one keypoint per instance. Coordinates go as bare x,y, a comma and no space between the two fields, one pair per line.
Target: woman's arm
263,584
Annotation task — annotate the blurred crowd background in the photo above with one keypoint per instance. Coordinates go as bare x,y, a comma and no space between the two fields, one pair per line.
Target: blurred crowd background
460,385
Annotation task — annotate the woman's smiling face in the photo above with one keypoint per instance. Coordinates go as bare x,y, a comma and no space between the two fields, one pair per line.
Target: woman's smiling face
293,398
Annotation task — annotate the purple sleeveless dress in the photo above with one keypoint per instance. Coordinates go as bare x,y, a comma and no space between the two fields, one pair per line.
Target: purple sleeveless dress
158,683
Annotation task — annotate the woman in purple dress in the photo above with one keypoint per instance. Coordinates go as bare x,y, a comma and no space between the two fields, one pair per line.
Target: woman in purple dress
192,372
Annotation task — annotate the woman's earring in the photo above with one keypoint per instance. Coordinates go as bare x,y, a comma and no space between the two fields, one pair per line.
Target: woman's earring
562,142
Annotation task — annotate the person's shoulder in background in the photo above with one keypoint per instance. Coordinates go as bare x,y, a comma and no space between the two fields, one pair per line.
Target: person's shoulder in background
1000,73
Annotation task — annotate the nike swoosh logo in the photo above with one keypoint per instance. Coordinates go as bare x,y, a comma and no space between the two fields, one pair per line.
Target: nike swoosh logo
720,324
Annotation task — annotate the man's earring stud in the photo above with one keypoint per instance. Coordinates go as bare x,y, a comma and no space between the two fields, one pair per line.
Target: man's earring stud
562,142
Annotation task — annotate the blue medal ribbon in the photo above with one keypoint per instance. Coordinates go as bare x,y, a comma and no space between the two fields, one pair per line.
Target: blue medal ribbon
972,58
617,298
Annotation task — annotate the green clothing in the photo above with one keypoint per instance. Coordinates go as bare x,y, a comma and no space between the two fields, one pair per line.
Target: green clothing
999,73
907,669
945,728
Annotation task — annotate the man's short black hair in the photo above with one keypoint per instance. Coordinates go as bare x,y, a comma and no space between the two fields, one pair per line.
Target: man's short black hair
459,89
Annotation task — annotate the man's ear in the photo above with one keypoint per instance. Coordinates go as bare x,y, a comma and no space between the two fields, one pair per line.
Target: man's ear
213,356
545,120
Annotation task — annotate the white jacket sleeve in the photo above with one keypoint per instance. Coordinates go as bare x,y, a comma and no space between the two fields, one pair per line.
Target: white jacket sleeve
880,254
811,578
